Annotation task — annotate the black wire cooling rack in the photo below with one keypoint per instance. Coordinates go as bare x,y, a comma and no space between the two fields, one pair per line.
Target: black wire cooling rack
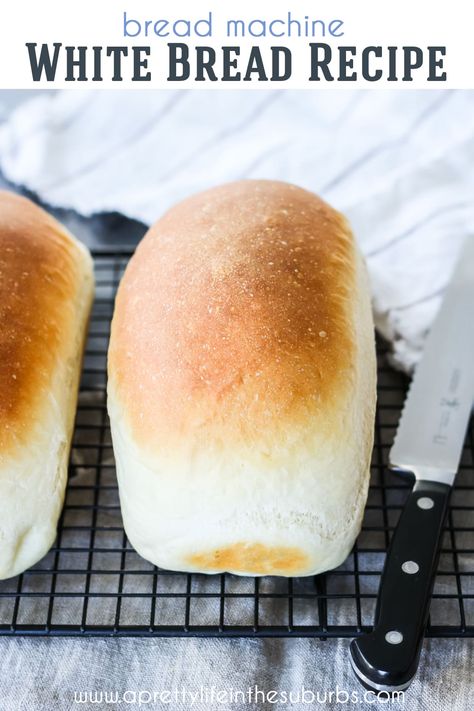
93,583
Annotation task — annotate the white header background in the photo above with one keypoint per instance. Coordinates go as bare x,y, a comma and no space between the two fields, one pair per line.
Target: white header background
366,22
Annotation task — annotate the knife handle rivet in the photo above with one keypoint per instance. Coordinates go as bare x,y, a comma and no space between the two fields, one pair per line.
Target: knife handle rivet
410,567
425,502
394,637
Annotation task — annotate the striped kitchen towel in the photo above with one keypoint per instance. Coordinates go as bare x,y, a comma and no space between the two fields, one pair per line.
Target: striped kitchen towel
400,165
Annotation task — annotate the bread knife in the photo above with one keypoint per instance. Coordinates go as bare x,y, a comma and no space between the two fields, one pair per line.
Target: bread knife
428,444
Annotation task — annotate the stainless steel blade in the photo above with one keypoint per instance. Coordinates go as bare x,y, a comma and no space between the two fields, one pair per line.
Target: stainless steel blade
435,416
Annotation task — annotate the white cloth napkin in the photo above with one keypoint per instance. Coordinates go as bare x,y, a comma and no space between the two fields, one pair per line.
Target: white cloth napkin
399,164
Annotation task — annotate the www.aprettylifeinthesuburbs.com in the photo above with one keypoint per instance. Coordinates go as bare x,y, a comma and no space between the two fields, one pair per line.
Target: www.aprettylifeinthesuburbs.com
252,696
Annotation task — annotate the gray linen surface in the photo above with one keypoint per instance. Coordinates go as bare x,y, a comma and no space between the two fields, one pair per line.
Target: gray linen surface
44,674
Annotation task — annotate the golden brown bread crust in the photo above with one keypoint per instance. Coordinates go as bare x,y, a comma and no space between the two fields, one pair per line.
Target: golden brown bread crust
252,558
38,277
237,309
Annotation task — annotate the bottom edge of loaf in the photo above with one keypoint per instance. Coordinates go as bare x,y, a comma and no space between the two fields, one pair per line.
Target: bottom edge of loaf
252,558
29,548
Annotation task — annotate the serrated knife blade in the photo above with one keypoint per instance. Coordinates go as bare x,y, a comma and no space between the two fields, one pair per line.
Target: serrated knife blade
432,428
429,443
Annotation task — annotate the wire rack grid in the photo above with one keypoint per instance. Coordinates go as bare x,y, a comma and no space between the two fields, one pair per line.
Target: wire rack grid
93,583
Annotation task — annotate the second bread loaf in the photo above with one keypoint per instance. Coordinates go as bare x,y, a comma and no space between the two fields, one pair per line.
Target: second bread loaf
46,289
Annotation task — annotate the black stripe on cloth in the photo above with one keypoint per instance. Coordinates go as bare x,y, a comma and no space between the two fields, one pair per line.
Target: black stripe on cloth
376,150
420,300
261,158
223,135
137,135
411,230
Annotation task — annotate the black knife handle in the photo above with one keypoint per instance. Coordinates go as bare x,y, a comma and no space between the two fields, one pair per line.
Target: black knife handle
387,658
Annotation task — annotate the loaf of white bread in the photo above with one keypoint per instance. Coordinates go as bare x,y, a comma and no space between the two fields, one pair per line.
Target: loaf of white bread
242,384
46,289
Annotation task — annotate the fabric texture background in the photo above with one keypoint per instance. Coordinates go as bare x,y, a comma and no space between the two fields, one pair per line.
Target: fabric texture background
44,674
401,165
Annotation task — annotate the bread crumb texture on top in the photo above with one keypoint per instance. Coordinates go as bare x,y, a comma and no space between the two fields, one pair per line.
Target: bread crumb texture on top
235,312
